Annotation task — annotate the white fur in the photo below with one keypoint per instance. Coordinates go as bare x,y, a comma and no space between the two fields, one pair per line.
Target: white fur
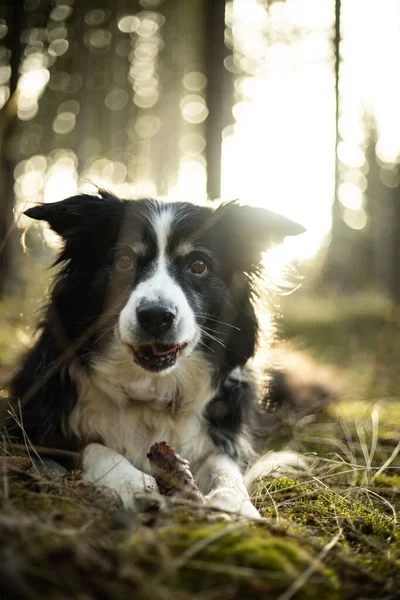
161,287
130,409
105,467
184,248
222,477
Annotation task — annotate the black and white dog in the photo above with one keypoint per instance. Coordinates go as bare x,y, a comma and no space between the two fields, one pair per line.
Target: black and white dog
146,338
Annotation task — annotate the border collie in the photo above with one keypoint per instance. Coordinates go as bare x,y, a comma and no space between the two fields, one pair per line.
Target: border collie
146,337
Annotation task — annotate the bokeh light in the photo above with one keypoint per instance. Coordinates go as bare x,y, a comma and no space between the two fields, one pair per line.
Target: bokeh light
134,120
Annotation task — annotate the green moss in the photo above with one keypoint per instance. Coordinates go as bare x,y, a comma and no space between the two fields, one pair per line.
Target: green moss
249,559
325,509
389,482
370,536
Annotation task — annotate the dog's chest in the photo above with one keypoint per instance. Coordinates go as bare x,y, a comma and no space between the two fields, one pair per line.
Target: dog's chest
104,413
133,430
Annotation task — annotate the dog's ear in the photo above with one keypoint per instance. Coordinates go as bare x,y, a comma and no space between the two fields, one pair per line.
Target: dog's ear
252,230
259,226
74,214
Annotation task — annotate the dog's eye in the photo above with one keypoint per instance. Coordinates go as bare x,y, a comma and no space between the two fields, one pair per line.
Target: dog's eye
198,267
125,261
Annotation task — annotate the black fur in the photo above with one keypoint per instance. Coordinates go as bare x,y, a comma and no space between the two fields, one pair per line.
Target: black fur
227,413
88,294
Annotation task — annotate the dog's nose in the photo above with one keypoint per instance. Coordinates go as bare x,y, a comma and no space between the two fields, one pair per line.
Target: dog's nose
156,317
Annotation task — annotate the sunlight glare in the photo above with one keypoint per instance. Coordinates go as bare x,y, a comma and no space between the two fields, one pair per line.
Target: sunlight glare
280,155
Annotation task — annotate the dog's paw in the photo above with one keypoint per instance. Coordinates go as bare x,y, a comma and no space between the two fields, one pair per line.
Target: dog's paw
105,467
226,499
216,516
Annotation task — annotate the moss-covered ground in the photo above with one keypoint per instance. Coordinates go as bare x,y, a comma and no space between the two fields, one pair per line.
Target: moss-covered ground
331,534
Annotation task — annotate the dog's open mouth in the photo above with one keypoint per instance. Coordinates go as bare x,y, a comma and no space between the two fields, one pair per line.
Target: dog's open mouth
156,357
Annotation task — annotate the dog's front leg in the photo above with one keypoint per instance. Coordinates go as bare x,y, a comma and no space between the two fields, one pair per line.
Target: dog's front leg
104,466
222,481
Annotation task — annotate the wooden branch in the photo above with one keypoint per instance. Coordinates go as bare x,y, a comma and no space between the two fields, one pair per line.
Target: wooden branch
172,473
16,464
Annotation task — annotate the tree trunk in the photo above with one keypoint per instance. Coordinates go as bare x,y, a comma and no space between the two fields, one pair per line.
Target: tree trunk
215,54
8,119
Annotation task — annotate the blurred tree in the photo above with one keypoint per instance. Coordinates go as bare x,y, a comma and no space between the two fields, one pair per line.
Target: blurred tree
113,93
336,258
383,208
366,256
347,266
217,88
13,13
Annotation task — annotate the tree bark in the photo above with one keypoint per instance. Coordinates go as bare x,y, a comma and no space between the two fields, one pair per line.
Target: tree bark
333,265
8,119
215,54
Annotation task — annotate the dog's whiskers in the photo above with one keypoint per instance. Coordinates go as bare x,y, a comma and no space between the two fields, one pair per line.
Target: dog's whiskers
213,330
210,318
205,346
214,338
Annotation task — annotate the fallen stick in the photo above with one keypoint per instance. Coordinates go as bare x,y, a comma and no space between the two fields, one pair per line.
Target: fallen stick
172,473
17,464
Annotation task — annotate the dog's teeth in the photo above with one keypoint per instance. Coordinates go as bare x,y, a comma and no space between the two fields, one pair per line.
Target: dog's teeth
156,362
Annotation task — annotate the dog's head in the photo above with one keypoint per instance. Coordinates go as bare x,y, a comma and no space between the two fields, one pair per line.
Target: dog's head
164,278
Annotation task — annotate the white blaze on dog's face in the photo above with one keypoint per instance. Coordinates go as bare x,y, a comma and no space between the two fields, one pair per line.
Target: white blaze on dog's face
158,324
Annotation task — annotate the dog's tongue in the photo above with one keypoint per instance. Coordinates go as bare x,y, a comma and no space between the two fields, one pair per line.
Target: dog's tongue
163,349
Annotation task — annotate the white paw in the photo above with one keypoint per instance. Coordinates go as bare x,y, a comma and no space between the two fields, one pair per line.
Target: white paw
230,500
105,467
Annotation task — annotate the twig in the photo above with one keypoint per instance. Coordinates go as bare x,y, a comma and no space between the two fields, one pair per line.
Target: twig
46,450
15,463
172,473
389,461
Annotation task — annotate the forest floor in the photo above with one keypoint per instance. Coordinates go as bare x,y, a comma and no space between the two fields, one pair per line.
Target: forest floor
332,534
